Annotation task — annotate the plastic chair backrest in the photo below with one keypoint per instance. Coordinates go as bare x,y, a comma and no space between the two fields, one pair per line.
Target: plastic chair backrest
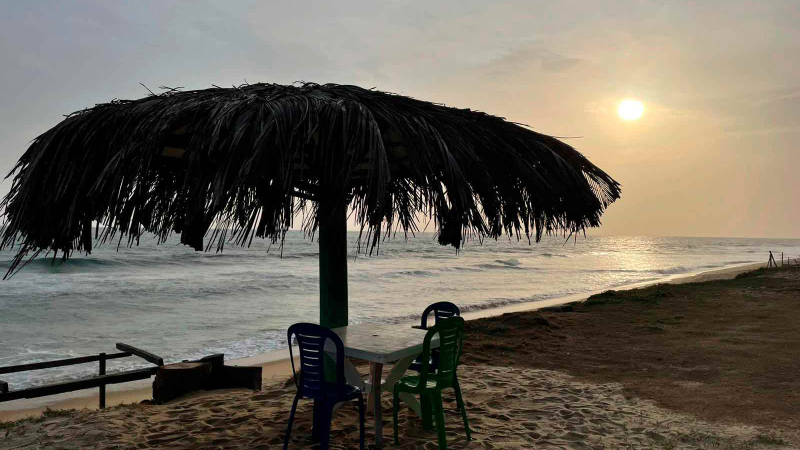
451,334
311,340
441,310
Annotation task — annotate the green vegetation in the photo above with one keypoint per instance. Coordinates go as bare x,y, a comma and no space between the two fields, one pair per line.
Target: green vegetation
46,414
654,295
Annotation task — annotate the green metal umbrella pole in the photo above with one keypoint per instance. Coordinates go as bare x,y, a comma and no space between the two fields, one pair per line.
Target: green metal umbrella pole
333,309
223,166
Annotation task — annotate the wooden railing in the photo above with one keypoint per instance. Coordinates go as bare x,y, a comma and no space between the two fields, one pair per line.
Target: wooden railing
785,261
100,381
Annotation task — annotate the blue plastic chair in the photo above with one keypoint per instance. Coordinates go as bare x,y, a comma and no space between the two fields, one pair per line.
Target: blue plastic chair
311,381
440,310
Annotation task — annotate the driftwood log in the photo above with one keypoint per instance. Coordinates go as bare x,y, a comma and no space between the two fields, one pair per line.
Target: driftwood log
216,380
208,373
227,377
241,377
175,380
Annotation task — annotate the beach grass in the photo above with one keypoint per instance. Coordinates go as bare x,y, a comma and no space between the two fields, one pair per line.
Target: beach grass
48,413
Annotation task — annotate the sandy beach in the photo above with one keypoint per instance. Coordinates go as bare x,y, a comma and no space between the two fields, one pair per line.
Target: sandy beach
655,367
509,408
276,365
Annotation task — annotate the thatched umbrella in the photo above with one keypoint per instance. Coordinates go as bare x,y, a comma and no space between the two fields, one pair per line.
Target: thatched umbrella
230,164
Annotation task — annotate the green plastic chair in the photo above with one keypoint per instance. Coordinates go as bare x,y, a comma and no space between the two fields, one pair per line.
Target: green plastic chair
428,385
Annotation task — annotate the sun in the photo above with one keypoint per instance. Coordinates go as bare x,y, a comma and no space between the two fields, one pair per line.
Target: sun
630,109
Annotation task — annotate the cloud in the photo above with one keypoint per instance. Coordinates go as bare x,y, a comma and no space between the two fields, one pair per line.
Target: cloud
530,57
761,112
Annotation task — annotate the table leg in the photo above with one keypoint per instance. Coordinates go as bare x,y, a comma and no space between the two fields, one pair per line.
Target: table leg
399,368
411,401
397,372
375,373
353,377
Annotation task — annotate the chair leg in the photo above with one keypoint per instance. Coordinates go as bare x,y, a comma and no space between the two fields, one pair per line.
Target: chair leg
315,421
361,422
395,409
438,409
426,407
463,408
459,400
326,417
291,419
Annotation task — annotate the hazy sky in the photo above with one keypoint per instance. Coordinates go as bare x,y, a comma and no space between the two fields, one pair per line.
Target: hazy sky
715,153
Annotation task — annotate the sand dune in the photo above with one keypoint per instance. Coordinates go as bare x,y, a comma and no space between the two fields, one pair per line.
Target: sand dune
508,408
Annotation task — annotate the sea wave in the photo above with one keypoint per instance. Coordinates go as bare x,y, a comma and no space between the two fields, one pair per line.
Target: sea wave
508,262
77,263
750,261
513,264
413,273
181,304
673,270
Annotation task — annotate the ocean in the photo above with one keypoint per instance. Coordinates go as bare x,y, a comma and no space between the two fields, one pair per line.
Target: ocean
182,304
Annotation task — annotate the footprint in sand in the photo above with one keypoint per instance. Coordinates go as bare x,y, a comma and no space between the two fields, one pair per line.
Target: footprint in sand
243,418
158,439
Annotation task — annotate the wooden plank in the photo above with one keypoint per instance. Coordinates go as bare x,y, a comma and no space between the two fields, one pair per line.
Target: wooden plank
52,389
59,363
77,385
86,383
147,356
133,375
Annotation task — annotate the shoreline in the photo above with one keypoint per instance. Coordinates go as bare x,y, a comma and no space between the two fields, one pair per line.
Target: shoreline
275,364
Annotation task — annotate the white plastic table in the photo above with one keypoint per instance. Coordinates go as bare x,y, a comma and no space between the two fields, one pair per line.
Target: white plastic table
380,344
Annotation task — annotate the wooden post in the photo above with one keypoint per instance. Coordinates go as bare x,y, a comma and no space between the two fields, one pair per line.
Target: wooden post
3,387
332,264
102,386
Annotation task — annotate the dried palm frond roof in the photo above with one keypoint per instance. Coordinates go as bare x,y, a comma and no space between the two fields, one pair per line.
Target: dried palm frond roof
240,161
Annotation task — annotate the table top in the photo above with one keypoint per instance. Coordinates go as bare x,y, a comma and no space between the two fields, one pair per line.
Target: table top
382,343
